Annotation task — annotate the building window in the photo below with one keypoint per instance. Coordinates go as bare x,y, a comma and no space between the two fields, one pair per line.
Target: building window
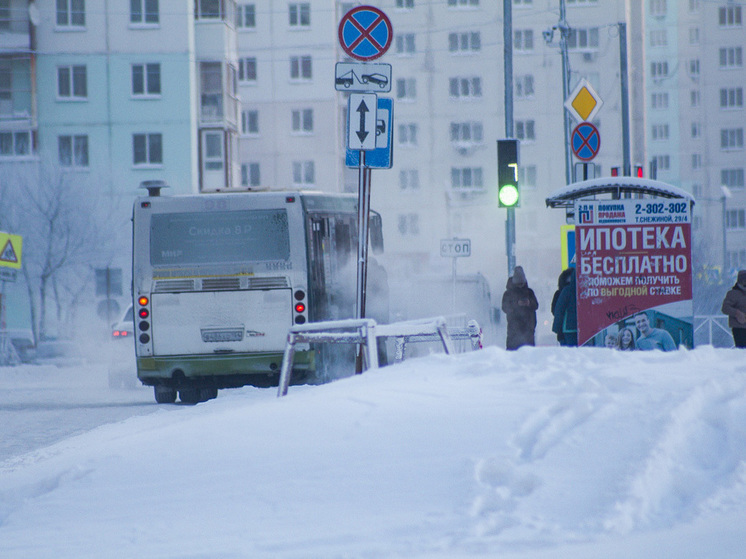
300,68
731,98
693,6
247,70
694,98
250,123
524,86
246,16
466,178
659,100
658,8
5,17
144,12
732,178
527,176
525,130
523,40
408,225
209,9
582,1
696,161
730,16
409,179
658,38
694,35
659,69
250,174
735,219
70,13
211,94
406,89
662,162
147,149
146,79
405,4
463,3
405,43
304,173
465,88
696,130
72,82
15,144
299,15
523,2
467,42
467,133
660,132
407,134
583,39
731,57
73,151
694,68
731,138
302,121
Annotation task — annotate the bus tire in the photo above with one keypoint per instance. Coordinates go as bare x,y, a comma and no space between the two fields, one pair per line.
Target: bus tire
164,394
190,395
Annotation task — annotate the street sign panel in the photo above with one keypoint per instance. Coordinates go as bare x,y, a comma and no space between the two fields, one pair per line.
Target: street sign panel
365,33
361,121
455,247
361,77
383,156
585,141
583,103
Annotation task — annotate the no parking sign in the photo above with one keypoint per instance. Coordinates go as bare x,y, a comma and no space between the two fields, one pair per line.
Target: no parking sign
365,33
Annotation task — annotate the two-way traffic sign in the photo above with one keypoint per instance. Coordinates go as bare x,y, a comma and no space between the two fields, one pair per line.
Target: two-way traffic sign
383,156
361,121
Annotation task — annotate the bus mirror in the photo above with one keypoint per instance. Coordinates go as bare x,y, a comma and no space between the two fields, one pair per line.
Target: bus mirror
376,233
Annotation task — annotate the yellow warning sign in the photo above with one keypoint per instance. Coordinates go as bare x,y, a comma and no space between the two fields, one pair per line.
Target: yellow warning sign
583,103
10,250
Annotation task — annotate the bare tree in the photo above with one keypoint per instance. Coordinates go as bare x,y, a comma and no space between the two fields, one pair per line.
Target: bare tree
63,223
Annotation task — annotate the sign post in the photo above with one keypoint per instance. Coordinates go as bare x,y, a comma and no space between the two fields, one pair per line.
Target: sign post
365,33
10,263
455,248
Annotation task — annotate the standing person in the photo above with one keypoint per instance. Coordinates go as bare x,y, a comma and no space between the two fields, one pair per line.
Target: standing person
652,338
734,305
626,339
519,305
562,281
565,323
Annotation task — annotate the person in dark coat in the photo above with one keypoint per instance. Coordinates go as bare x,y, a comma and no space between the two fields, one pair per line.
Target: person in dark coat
519,305
734,305
566,314
562,281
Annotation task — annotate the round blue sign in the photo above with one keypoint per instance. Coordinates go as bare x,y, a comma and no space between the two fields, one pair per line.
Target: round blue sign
365,33
585,141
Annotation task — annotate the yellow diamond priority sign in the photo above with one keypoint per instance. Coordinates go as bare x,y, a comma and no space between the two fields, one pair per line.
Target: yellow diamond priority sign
583,103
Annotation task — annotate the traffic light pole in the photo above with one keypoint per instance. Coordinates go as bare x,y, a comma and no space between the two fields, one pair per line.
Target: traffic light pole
508,77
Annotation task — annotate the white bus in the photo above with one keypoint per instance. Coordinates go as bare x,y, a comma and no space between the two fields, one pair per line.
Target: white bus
218,279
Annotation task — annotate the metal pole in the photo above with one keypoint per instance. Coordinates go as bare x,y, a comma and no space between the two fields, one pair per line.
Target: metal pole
626,148
725,244
453,298
363,216
508,86
564,30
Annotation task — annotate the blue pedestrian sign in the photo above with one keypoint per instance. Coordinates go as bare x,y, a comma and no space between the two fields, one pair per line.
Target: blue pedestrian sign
365,33
383,156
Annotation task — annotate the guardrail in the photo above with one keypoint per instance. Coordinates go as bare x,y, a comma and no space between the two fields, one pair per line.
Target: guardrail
366,331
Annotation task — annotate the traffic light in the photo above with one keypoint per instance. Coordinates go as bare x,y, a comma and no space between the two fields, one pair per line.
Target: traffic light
508,195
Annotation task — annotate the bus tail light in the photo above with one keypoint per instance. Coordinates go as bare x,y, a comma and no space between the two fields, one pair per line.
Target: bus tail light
299,307
144,313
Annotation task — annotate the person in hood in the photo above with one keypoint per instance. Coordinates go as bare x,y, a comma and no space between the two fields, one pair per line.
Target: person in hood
519,305
734,305
562,281
565,323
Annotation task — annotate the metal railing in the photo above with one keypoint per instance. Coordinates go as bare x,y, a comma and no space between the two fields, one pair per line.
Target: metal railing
365,332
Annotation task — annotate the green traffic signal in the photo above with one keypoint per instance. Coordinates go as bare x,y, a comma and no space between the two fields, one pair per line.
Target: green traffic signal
508,195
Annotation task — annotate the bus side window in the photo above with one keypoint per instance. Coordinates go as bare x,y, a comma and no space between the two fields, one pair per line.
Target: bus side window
376,233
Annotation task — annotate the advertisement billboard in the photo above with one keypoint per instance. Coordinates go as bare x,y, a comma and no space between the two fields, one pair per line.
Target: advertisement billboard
634,272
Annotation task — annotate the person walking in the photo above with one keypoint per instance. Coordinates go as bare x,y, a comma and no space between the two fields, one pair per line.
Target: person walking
519,305
565,323
562,281
734,305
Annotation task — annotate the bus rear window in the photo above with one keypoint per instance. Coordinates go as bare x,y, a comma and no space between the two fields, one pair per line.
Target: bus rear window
182,239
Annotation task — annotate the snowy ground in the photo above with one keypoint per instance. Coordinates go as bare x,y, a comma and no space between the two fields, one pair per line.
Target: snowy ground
539,453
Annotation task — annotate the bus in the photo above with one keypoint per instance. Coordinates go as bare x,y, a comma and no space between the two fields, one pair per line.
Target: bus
218,280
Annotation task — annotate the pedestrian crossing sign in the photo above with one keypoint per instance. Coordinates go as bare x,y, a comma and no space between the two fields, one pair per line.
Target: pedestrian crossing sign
10,250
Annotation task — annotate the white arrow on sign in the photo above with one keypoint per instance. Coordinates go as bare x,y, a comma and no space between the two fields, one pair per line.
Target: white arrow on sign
361,121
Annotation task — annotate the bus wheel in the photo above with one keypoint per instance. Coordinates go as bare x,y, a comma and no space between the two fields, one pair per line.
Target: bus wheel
208,394
189,395
164,394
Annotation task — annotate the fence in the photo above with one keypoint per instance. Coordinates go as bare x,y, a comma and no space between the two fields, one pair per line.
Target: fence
365,332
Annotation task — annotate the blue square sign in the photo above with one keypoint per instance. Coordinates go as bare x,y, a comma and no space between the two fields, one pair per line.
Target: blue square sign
383,156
